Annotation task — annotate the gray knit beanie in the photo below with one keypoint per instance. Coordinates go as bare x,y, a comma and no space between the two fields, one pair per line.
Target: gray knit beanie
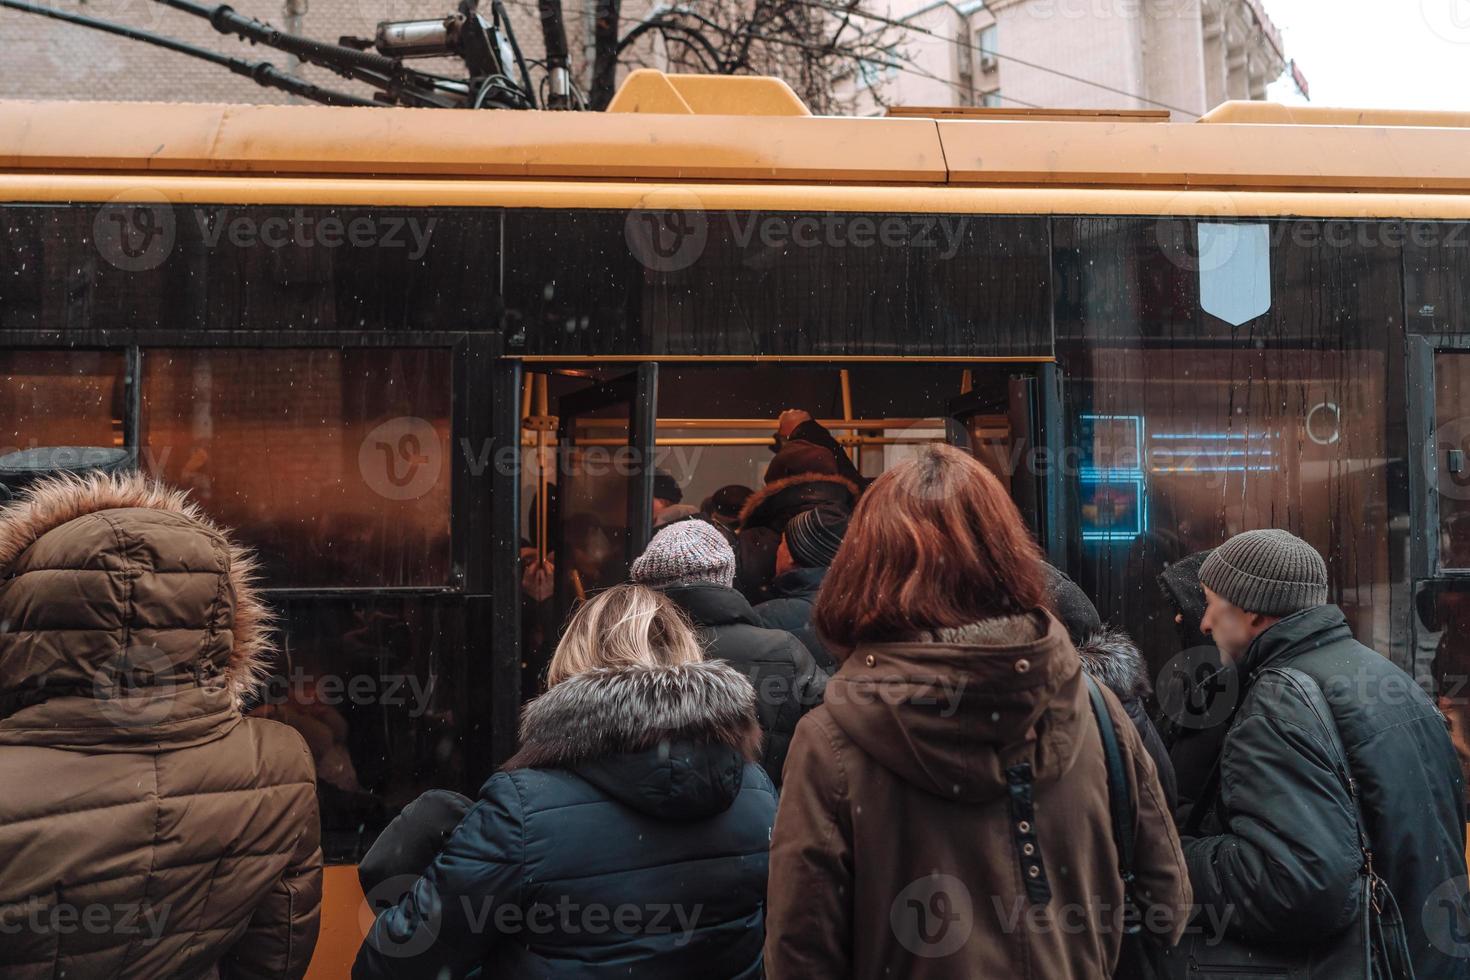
1271,572
684,553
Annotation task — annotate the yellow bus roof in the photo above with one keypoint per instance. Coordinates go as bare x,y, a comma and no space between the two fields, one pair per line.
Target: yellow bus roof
1238,147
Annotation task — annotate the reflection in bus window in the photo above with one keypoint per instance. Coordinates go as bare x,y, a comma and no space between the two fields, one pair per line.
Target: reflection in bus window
1452,449
376,689
1228,441
333,464
60,398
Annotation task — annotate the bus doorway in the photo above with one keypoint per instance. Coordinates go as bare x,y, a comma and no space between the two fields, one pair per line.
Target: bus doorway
611,451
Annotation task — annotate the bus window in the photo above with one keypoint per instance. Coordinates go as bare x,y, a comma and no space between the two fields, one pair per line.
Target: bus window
1189,428
376,686
1452,448
60,398
334,464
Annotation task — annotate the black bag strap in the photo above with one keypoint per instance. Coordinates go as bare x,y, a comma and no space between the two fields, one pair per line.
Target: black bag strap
1317,701
1120,799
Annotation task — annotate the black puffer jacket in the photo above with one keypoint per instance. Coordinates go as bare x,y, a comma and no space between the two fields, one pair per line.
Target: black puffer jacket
764,517
1282,850
1111,656
628,838
794,595
788,682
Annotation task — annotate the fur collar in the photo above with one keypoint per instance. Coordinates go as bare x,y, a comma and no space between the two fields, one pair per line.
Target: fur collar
770,490
1111,656
611,711
997,631
59,500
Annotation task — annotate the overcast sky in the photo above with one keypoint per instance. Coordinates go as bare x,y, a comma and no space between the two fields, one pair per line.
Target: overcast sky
1379,54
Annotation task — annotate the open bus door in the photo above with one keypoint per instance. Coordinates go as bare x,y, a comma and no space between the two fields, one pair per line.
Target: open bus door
605,469
1440,544
1012,422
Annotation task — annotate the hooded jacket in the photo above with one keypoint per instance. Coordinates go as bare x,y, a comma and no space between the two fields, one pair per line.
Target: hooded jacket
627,838
787,680
1278,844
946,816
764,517
148,829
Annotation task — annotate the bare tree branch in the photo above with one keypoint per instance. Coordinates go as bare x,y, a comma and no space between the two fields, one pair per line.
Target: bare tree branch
814,46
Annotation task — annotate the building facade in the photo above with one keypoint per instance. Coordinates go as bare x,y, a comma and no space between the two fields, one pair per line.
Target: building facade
1183,55
1186,56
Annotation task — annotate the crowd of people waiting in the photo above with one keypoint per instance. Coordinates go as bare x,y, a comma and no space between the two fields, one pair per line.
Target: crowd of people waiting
842,728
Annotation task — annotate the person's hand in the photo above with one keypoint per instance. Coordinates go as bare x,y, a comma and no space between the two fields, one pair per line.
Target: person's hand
790,419
538,580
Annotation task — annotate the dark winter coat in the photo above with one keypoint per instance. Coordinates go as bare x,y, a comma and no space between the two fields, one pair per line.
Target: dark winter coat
787,680
1280,846
794,594
922,794
764,518
1112,657
628,838
409,844
147,828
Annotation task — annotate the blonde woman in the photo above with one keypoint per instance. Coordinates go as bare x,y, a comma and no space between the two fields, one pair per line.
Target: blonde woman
628,836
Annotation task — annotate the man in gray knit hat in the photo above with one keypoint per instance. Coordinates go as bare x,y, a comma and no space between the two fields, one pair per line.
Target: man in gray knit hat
1261,576
693,564
1272,846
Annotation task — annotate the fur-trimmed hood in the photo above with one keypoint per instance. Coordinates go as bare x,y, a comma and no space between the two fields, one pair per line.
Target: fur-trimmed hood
777,502
666,740
1111,656
611,711
104,572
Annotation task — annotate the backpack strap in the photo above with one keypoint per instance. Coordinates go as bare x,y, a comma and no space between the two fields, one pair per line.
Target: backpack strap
1312,692
1120,798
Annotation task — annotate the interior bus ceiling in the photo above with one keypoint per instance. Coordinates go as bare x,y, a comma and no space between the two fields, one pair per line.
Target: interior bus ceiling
1237,148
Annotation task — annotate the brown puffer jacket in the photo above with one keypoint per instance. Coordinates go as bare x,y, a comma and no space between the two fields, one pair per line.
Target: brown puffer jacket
147,829
945,815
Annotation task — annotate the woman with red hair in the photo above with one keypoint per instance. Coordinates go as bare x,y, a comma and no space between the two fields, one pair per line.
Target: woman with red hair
946,810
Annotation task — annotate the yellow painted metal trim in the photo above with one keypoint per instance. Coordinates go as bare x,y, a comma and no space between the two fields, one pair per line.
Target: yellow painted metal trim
1274,114
706,144
1187,155
1005,112
747,358
648,90
570,195
345,918
95,137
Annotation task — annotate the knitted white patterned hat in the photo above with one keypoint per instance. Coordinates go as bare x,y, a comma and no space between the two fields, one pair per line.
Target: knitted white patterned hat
684,553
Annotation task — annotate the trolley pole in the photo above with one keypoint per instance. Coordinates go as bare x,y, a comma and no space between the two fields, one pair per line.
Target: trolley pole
554,33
